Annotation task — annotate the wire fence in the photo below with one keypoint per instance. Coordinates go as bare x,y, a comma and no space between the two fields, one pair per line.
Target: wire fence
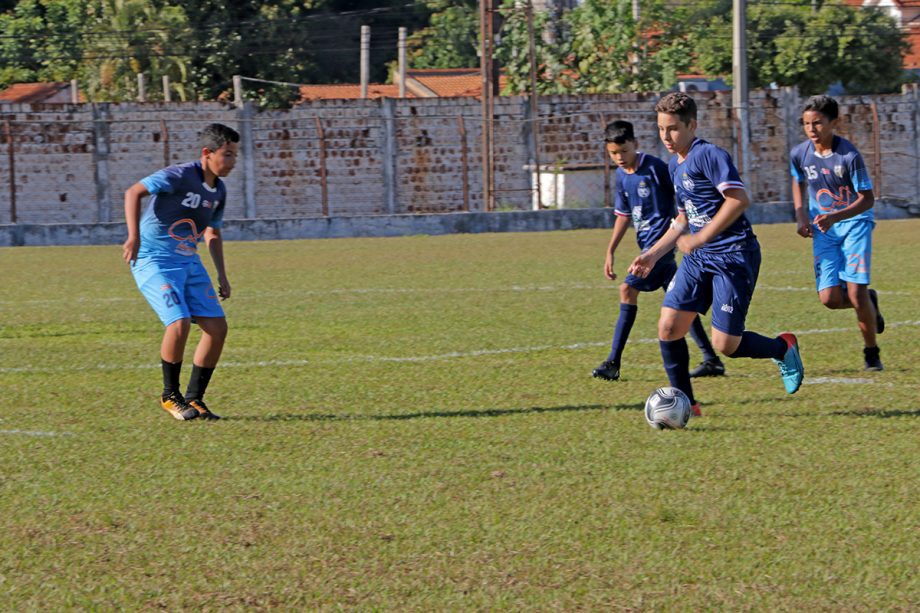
71,164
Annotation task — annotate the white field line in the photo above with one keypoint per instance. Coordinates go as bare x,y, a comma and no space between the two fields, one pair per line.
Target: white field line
371,358
390,290
33,433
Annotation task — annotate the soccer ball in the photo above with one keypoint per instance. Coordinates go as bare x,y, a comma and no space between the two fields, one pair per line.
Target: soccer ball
667,408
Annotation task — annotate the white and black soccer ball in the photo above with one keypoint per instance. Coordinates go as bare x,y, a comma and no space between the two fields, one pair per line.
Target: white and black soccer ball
667,408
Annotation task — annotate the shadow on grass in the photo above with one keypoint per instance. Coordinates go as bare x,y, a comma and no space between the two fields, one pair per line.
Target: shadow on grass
433,414
883,413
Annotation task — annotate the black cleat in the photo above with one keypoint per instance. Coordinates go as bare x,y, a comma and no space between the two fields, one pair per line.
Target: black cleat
175,405
879,320
709,368
873,362
608,371
203,411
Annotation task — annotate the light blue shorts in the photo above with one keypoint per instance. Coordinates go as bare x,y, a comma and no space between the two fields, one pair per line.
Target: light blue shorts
843,254
177,290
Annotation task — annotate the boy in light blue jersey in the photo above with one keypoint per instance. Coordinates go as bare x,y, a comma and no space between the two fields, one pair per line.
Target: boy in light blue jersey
840,201
187,206
721,255
644,195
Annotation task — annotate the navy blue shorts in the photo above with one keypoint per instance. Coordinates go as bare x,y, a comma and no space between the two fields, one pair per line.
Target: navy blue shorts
659,277
724,281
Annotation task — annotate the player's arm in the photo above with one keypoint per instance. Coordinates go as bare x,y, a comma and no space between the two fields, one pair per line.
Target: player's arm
736,201
645,262
620,226
133,197
215,243
803,225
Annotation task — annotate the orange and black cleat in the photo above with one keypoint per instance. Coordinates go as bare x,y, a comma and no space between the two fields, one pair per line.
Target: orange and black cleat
203,411
174,404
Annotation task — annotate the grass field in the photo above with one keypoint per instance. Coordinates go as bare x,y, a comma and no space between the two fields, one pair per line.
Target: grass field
411,425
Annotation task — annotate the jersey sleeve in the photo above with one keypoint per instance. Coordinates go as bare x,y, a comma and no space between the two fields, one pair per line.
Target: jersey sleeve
163,181
666,187
217,218
620,206
717,166
859,174
795,166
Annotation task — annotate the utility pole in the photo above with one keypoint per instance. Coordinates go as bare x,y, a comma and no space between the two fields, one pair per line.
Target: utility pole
534,106
485,70
365,59
402,62
740,81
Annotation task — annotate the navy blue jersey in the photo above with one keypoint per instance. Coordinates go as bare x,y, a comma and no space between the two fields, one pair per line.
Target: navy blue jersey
647,196
834,180
699,182
181,207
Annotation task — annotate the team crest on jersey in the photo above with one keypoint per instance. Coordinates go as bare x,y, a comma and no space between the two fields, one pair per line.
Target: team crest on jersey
206,204
641,225
694,217
687,182
838,170
644,191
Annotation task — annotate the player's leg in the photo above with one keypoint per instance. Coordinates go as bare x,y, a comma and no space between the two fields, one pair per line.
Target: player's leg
205,306
732,289
609,369
163,287
830,263
711,366
689,293
857,247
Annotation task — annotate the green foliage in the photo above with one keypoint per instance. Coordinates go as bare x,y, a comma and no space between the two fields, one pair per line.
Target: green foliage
793,45
451,40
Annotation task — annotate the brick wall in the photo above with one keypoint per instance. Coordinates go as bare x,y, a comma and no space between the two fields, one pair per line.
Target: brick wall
72,163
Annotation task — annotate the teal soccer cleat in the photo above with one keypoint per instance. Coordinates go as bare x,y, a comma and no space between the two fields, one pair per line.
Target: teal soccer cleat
790,367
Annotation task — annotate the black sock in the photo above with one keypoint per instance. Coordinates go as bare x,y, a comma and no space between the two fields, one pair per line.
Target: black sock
676,358
759,347
198,382
621,333
170,376
698,334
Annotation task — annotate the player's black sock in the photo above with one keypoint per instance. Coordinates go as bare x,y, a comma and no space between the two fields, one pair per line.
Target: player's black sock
170,376
198,382
759,347
621,332
699,336
676,358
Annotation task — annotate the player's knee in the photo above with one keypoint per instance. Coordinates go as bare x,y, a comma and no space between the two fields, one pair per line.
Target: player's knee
726,345
180,327
627,293
668,331
831,301
215,327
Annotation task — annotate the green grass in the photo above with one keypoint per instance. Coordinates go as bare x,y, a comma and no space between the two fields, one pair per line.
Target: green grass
411,425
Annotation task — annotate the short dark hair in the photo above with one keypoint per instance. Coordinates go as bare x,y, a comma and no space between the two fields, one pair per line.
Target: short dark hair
619,132
677,103
825,105
216,135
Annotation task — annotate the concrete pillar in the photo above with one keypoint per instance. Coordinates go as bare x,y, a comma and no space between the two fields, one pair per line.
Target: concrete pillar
101,119
388,110
247,152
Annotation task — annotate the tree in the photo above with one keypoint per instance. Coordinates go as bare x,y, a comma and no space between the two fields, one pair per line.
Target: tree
794,45
451,40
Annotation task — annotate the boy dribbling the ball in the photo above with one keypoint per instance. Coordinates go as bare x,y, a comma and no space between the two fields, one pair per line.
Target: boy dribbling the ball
187,206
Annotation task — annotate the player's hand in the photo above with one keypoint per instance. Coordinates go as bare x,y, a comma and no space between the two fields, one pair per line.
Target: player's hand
824,222
608,267
641,266
804,229
130,249
687,243
223,287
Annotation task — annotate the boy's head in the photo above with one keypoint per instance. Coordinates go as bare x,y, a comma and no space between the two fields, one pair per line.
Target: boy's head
819,118
219,148
620,142
676,121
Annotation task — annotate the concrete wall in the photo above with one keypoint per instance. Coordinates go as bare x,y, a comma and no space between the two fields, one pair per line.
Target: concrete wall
70,164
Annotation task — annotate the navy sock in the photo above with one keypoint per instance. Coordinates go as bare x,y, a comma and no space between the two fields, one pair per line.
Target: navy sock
621,333
759,347
170,376
676,358
698,334
198,382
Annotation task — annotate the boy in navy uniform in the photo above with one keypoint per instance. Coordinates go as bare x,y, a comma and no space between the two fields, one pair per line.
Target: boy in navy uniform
840,204
721,255
187,206
645,195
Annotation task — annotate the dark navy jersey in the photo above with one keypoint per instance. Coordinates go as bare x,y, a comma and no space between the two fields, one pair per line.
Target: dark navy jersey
647,196
834,180
181,207
699,182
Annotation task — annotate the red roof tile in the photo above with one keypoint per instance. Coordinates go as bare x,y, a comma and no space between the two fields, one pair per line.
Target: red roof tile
26,93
